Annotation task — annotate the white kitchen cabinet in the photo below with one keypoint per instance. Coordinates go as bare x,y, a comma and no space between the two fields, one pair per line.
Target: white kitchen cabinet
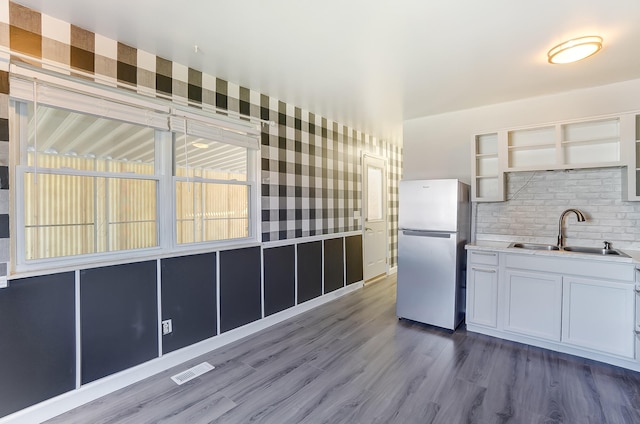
567,303
637,322
533,304
532,148
488,177
586,143
482,288
630,130
589,143
599,315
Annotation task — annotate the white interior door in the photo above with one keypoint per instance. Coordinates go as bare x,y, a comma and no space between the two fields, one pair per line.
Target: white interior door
375,216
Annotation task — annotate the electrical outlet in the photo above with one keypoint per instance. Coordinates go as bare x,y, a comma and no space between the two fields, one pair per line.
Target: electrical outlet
167,327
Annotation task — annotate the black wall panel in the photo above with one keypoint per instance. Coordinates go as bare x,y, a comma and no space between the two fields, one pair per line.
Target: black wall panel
279,279
240,288
333,265
309,270
119,318
37,340
188,299
354,258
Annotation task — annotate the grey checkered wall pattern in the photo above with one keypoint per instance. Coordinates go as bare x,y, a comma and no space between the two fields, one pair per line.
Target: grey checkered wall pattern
311,171
311,176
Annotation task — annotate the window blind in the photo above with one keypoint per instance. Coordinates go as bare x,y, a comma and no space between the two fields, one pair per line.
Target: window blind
71,94
216,128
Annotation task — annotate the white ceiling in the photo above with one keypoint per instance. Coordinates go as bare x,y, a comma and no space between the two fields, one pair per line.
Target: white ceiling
371,64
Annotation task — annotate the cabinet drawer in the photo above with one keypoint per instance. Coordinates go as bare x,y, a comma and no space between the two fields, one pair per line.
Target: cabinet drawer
482,257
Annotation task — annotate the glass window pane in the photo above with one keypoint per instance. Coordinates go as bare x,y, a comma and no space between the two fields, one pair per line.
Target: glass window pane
59,215
68,215
209,212
227,209
131,214
374,193
209,159
73,140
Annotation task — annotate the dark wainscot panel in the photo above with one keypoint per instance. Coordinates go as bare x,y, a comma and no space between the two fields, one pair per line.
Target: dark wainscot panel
188,299
309,270
240,288
279,279
37,340
354,258
119,318
333,265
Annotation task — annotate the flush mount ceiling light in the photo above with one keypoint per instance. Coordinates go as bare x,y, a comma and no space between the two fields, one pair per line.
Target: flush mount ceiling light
576,49
200,145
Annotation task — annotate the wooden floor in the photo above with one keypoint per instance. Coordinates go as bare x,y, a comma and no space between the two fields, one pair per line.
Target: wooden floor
353,361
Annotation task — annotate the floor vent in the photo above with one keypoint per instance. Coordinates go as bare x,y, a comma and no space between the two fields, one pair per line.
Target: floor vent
192,373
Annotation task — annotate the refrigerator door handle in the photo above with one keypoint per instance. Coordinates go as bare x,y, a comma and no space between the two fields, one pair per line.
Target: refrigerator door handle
426,234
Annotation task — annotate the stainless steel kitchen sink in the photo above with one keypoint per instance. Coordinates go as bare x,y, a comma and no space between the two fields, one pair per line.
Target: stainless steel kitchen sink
595,251
575,249
534,246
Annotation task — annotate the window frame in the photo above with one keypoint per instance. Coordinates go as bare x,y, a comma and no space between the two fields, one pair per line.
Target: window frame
252,230
166,222
22,169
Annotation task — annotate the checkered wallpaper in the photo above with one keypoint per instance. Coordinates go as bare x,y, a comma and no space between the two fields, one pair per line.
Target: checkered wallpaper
311,167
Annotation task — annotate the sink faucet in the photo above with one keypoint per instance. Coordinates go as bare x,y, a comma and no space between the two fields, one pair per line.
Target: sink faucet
580,217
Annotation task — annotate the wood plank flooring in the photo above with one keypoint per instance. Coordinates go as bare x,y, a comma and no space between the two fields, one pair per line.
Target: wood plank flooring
353,361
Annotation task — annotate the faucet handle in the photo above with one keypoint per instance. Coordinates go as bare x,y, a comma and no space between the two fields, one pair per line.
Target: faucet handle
607,245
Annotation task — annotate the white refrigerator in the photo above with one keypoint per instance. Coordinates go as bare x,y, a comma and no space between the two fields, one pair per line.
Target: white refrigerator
433,227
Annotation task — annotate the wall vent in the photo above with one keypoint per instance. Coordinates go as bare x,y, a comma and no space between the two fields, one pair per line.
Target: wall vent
192,373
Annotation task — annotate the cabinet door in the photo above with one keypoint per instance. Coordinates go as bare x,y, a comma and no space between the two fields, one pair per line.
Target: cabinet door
599,315
630,151
637,320
533,304
482,296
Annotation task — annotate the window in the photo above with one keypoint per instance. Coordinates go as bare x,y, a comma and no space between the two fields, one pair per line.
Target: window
213,180
89,184
212,193
104,174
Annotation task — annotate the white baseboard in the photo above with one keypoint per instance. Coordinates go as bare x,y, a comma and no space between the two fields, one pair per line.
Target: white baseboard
393,270
91,391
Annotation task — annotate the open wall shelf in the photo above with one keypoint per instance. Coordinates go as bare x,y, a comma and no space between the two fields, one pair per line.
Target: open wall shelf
587,143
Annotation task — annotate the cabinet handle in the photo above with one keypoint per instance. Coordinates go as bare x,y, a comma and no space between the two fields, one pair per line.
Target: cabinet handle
493,254
483,269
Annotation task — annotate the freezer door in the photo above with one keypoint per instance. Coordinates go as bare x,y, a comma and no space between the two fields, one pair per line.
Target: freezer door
429,278
429,205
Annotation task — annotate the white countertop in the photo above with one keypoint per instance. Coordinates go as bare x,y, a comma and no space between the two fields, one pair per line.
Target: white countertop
503,246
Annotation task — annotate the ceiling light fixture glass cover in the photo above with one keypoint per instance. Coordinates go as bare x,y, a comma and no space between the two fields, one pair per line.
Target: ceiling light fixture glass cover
576,49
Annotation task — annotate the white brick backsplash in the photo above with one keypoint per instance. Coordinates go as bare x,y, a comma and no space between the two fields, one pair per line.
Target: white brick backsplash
538,198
